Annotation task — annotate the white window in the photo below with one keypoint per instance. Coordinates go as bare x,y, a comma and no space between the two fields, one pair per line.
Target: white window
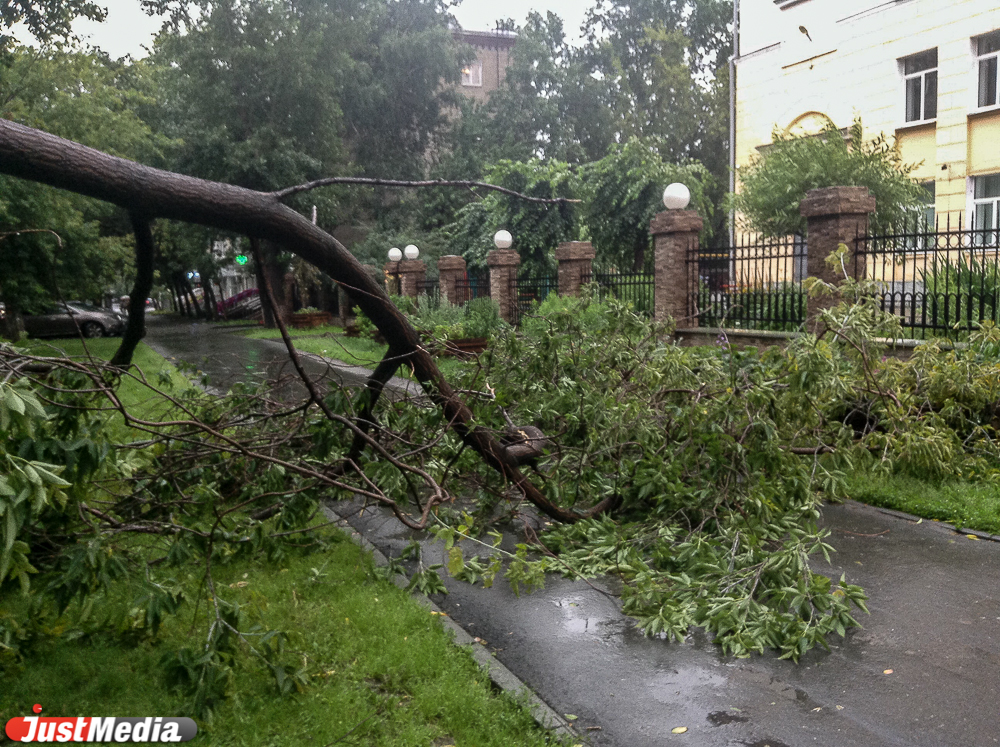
987,50
986,204
920,80
472,74
930,206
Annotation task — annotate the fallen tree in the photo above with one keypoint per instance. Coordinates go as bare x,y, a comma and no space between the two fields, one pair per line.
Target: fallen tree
148,193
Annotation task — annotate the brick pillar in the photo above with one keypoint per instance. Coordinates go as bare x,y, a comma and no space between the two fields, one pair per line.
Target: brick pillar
575,260
451,269
675,265
503,276
392,278
411,272
835,215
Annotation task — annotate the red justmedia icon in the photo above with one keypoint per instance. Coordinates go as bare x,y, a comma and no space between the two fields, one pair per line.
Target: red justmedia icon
37,708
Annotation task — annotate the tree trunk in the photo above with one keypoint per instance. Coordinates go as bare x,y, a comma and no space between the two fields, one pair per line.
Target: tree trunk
192,299
174,303
38,156
12,324
135,328
211,304
182,305
274,271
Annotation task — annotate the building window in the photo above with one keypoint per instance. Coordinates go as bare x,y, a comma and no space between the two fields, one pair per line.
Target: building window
923,219
472,75
930,205
920,81
987,51
986,208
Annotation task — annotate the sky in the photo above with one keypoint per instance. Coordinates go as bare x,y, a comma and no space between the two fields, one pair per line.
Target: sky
127,29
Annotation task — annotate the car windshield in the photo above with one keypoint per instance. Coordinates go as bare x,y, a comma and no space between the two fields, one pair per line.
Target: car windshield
83,306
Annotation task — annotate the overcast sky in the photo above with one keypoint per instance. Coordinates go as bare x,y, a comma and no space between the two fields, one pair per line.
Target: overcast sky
127,28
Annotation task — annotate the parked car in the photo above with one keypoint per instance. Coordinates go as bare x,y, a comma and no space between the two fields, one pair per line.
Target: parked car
62,320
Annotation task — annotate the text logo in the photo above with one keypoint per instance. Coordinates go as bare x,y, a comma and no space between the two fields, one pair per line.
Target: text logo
98,729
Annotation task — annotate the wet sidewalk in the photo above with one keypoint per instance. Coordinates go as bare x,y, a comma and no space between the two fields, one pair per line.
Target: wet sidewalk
228,357
935,619
935,623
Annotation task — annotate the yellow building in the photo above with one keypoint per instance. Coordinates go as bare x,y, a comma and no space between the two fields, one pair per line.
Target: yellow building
924,71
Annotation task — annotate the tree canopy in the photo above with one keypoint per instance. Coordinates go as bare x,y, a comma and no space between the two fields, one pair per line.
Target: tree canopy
775,182
86,245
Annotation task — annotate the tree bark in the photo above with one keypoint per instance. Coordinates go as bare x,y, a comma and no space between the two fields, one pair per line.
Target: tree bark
271,271
182,305
192,299
135,329
211,305
38,156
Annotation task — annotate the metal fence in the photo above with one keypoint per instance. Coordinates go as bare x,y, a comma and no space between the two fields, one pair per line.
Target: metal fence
938,283
754,283
636,288
529,289
472,286
430,288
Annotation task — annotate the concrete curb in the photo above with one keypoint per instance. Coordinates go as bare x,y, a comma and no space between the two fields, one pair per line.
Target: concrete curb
499,675
951,528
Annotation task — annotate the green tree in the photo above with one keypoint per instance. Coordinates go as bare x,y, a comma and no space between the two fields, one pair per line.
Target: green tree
775,182
663,65
624,190
269,93
86,97
537,228
47,21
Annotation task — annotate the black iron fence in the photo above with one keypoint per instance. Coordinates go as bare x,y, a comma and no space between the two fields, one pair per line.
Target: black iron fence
636,288
755,283
529,289
939,283
430,288
472,286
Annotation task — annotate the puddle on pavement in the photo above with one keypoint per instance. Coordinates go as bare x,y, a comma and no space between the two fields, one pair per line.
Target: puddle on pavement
579,619
686,680
721,718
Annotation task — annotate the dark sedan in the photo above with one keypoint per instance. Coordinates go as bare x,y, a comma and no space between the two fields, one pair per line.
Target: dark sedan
63,320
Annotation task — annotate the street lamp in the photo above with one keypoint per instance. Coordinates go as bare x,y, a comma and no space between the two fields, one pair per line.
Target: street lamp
503,239
676,196
394,256
411,251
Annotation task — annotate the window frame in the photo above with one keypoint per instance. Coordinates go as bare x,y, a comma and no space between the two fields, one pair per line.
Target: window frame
922,75
975,203
979,58
924,218
472,75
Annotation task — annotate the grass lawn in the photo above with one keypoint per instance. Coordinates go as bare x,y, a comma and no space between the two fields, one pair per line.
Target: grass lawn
377,663
140,400
330,342
964,504
382,670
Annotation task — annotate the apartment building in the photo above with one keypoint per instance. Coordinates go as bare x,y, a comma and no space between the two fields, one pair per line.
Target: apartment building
487,72
925,71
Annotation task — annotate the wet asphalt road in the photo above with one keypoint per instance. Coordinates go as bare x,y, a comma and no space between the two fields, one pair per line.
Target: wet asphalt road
935,622
227,357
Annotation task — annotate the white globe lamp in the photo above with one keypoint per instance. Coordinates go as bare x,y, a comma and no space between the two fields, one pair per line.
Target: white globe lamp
395,255
411,251
676,196
503,239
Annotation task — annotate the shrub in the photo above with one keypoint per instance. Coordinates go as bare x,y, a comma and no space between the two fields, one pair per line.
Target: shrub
482,318
962,292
